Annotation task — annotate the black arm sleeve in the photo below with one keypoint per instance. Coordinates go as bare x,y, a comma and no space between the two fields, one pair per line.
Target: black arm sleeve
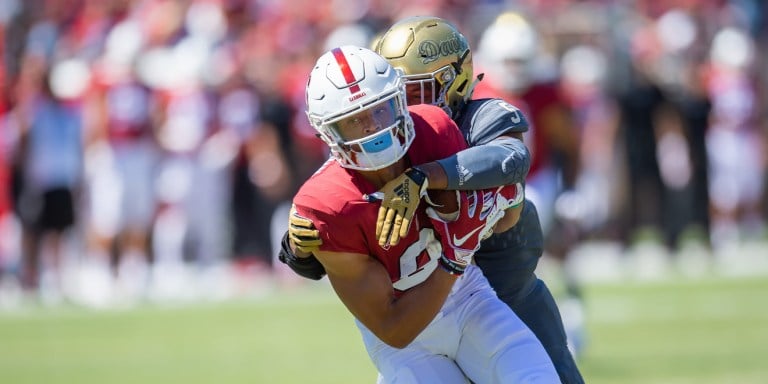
308,267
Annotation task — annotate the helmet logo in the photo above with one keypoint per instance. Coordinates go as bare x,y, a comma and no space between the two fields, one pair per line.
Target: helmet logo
430,50
357,96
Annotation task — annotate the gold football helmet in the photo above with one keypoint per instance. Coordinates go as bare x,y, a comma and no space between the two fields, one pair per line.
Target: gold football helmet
436,60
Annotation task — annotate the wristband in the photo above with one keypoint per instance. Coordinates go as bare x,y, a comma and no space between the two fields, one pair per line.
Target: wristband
308,267
418,176
450,266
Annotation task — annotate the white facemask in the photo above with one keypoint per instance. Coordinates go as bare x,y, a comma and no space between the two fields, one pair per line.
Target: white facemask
379,150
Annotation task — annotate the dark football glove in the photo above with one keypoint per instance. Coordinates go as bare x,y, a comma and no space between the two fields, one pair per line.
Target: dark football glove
308,267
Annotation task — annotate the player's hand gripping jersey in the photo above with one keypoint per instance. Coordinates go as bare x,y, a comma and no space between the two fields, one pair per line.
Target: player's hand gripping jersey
333,200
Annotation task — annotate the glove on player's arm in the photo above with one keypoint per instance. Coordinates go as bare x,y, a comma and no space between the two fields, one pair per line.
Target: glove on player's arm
399,200
306,239
460,233
302,232
478,213
308,267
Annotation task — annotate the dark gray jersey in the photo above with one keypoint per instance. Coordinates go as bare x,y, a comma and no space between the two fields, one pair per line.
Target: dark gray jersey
509,259
483,120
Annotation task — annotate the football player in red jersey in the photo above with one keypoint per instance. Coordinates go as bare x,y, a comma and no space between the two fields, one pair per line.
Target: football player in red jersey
425,312
437,62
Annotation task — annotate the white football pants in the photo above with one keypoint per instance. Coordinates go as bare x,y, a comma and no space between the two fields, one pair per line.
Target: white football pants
475,336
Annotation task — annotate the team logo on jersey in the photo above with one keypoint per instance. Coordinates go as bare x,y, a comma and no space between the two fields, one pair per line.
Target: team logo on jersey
431,50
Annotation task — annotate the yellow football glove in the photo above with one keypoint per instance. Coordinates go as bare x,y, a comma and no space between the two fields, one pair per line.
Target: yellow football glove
302,232
399,199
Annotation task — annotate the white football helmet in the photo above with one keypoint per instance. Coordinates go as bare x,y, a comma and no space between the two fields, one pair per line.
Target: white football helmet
356,101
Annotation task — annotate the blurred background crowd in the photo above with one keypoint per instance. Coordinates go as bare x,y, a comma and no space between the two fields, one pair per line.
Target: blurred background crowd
144,139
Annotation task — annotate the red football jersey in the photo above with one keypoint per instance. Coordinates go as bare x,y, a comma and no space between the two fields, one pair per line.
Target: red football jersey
333,199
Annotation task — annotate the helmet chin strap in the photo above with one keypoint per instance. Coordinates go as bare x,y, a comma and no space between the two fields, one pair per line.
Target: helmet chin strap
472,86
447,109
467,96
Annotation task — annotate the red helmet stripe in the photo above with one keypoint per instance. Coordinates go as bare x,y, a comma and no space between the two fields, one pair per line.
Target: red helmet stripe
341,60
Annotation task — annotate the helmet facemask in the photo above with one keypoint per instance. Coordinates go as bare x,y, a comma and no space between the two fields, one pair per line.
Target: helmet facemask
392,133
430,88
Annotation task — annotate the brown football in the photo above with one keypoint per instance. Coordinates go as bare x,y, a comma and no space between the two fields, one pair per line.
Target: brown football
446,199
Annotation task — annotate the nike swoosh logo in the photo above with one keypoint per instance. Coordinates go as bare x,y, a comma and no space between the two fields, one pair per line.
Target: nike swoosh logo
462,240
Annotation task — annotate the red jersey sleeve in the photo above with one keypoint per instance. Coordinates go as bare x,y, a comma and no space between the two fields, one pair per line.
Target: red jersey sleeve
332,199
437,136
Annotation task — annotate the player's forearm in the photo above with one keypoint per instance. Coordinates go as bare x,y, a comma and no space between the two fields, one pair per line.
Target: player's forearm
503,161
411,313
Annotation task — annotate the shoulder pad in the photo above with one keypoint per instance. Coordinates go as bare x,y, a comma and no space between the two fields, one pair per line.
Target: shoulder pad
486,119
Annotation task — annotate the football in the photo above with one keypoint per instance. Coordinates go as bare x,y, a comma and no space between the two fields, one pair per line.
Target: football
447,201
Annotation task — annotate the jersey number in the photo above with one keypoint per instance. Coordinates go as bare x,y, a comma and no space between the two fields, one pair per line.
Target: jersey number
515,112
413,269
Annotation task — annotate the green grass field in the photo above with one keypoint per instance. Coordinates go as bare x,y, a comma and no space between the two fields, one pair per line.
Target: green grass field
704,331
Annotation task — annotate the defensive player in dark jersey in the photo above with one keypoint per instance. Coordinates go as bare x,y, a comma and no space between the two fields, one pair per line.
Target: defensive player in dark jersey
437,62
425,312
